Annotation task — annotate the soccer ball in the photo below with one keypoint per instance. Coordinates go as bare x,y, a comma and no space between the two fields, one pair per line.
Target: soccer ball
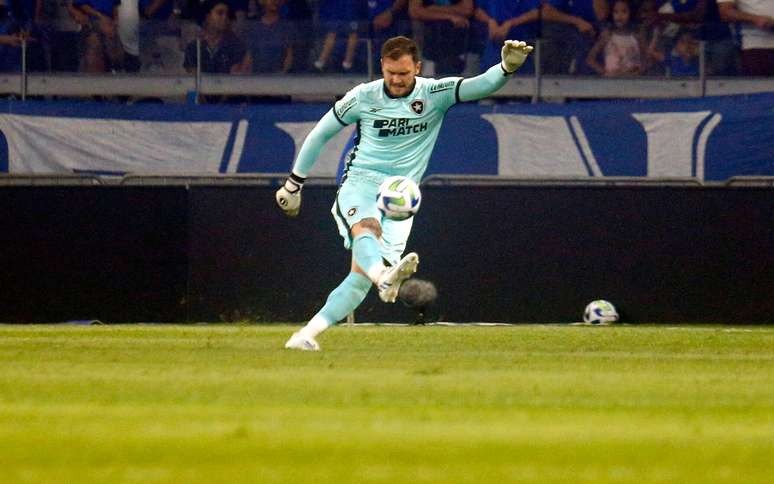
398,198
600,312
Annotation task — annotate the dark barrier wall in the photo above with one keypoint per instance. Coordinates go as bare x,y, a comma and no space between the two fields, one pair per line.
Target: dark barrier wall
659,254
115,254
499,254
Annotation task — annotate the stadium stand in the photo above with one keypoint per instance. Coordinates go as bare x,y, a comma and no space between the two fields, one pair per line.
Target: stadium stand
289,42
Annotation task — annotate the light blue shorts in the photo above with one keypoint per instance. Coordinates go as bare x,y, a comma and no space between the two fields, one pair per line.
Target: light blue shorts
355,201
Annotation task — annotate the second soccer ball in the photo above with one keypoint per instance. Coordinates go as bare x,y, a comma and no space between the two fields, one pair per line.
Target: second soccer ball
600,312
398,198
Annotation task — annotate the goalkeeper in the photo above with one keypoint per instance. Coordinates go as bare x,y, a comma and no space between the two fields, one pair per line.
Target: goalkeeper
398,119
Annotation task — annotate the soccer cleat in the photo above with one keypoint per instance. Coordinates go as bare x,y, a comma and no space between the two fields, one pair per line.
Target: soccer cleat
301,342
392,277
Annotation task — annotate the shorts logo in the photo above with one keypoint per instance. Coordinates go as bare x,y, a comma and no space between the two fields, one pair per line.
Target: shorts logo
418,106
352,211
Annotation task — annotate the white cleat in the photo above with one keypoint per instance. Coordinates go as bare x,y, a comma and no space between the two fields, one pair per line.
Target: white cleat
393,277
301,342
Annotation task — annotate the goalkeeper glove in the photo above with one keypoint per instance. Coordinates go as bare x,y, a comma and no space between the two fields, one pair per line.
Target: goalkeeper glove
514,54
289,196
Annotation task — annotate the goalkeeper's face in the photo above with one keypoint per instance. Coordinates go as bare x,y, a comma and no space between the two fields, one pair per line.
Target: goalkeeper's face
399,74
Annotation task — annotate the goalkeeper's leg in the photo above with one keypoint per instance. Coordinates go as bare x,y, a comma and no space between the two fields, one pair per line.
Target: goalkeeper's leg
341,301
367,259
351,292
358,220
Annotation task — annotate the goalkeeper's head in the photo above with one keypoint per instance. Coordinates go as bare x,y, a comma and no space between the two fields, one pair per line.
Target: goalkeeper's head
400,65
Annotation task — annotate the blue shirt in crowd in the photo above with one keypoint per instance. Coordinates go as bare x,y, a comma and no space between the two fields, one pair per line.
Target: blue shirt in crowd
376,7
338,10
10,57
712,27
163,12
270,42
502,10
105,7
679,68
579,8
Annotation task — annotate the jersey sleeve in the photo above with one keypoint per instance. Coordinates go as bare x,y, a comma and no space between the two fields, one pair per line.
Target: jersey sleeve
483,85
324,130
444,93
347,109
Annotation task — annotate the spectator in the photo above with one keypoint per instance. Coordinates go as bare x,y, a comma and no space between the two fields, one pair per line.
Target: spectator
445,33
65,38
271,40
296,10
338,17
102,47
160,38
683,58
26,11
239,11
299,14
190,14
569,31
757,19
129,33
221,50
623,49
188,20
157,10
702,15
30,21
654,40
189,9
508,19
10,41
386,18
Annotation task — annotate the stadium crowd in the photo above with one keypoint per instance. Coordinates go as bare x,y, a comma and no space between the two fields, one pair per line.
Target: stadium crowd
611,38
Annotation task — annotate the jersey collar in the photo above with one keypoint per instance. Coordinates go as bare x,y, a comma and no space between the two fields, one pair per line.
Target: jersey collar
387,93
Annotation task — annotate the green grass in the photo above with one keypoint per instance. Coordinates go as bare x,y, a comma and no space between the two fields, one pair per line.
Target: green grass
541,404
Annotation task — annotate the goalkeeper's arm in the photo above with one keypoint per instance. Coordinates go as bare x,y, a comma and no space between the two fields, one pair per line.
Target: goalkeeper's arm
514,53
289,195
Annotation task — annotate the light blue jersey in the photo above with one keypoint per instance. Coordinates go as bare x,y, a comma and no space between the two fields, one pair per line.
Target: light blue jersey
395,136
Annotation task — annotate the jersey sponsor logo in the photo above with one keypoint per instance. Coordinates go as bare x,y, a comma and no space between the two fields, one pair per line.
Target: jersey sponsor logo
398,127
443,86
342,109
418,106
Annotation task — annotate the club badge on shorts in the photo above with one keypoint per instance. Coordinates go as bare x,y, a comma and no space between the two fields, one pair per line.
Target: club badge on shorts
418,106
352,211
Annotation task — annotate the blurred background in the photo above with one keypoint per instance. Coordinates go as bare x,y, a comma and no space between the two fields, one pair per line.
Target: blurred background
165,50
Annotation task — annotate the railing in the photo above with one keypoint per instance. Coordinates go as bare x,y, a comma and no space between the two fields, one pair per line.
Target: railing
498,180
276,179
750,181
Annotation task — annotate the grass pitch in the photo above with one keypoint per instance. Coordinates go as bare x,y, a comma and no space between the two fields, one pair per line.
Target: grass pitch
386,404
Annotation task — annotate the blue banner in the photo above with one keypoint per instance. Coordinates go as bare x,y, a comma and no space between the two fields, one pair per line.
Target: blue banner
707,138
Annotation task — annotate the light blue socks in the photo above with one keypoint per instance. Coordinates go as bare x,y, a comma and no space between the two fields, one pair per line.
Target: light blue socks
365,250
345,298
353,289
